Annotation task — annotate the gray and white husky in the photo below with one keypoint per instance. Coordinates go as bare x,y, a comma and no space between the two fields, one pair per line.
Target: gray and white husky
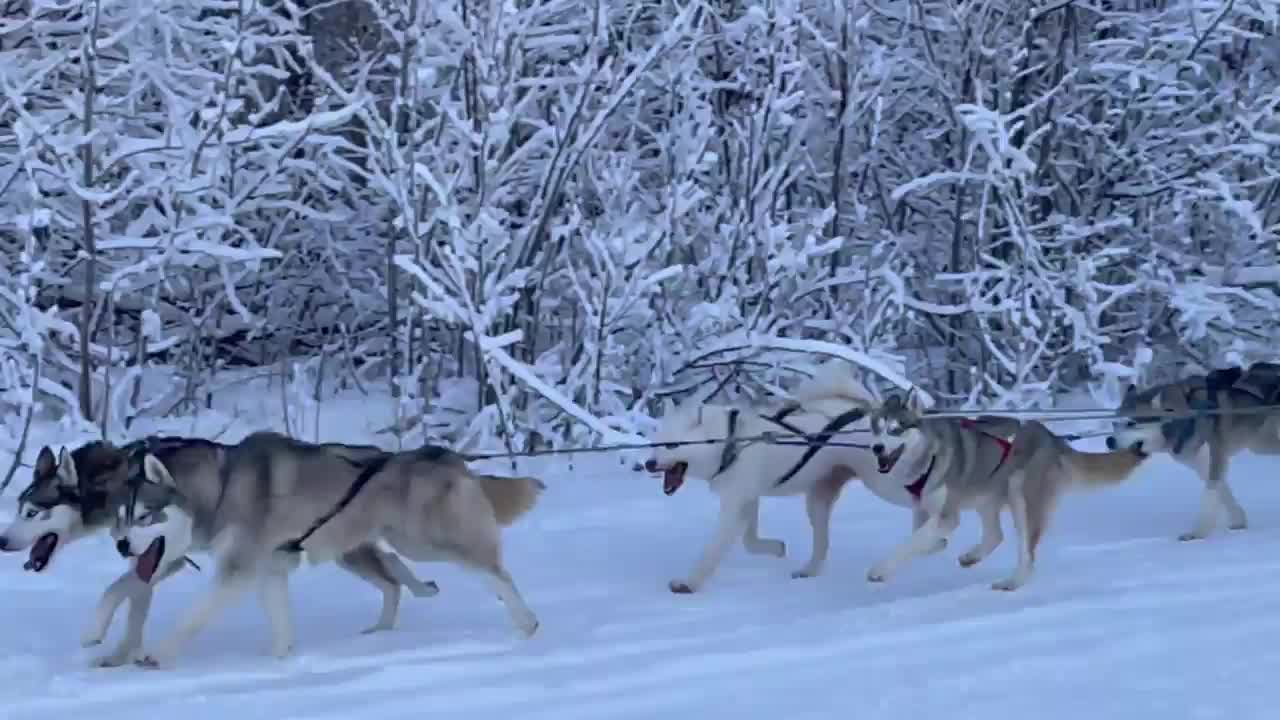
1163,418
742,472
982,470
260,503
80,493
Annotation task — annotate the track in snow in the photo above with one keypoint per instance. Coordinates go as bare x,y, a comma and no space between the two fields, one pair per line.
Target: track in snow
1121,621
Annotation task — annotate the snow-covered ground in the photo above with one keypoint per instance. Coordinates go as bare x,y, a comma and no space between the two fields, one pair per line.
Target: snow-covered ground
1122,621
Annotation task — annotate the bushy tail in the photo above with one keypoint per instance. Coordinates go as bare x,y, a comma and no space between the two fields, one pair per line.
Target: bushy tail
833,381
510,497
1102,469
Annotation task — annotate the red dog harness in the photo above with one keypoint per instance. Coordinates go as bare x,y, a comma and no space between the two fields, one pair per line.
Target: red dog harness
1005,445
917,488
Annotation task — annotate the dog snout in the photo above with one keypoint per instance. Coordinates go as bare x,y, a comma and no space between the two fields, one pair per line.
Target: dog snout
1111,442
651,465
122,547
4,543
878,448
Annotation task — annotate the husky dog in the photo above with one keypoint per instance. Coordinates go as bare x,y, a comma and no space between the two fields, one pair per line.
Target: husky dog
982,470
79,494
741,472
260,503
1164,419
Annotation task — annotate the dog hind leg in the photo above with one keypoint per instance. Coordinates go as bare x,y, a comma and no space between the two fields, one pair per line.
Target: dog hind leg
1212,471
992,535
752,541
366,565
1031,503
819,503
394,568
487,559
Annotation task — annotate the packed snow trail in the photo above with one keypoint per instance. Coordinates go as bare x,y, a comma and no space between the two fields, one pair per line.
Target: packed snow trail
1121,620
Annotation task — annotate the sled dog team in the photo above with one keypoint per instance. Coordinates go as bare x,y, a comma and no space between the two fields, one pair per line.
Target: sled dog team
259,504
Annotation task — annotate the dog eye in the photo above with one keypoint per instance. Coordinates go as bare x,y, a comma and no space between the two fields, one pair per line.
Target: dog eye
31,513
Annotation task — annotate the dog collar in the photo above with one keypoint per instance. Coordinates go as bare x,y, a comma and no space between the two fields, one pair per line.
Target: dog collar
917,488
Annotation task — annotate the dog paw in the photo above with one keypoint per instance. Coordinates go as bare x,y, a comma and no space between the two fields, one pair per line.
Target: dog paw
877,575
380,627
680,587
149,662
426,589
1190,536
90,639
1242,525
1006,585
281,652
530,629
969,559
803,573
938,547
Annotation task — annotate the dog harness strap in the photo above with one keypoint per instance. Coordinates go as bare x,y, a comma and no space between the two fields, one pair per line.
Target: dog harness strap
730,453
779,419
819,441
367,471
1005,446
917,488
1178,432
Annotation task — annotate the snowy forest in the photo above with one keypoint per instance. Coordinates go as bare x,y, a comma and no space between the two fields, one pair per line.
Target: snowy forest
540,219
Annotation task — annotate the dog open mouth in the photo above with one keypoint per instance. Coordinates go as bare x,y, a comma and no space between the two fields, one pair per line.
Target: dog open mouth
673,477
886,461
149,560
41,552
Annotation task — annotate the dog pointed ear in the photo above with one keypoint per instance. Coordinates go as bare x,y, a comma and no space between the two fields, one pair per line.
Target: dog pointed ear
46,463
914,404
67,474
156,472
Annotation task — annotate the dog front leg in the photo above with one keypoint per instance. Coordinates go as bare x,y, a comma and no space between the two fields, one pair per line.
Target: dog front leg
732,521
918,517
752,540
233,579
937,527
115,594
139,595
1211,466
273,593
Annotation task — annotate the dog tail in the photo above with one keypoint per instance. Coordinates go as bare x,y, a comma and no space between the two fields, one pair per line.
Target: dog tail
832,381
510,497
1102,469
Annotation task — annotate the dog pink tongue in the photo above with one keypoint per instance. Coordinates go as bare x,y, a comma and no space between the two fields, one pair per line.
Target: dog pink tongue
672,479
149,560
41,552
